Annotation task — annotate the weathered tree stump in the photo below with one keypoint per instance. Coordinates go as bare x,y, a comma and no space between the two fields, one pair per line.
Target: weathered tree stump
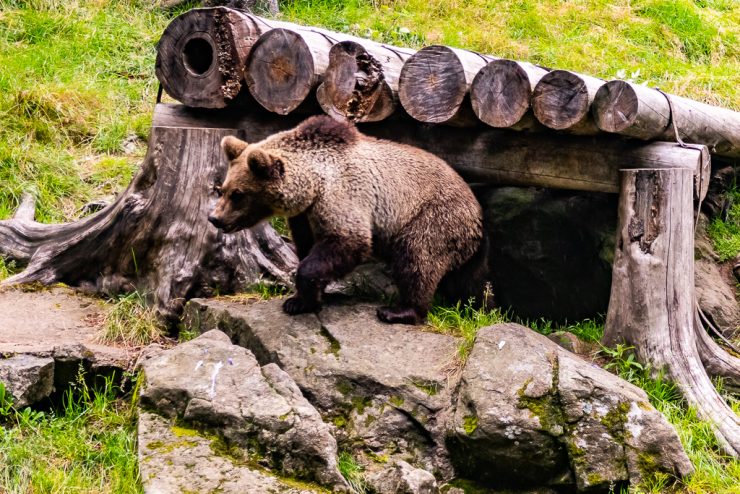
562,101
155,237
652,305
501,93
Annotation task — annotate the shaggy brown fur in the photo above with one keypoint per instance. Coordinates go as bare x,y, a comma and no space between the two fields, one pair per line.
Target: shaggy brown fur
349,197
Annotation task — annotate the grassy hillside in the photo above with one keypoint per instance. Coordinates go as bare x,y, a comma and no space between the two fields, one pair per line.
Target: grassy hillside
77,88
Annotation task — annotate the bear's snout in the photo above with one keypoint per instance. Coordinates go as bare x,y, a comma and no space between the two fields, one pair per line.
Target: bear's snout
216,221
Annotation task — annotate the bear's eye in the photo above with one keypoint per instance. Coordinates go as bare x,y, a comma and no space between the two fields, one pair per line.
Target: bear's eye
217,190
237,195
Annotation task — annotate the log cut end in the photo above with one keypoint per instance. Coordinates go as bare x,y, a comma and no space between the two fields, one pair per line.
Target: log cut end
432,84
280,71
201,56
560,100
354,85
615,106
500,93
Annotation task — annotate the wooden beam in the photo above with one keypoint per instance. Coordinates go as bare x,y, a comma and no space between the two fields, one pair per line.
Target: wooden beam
562,101
644,113
484,154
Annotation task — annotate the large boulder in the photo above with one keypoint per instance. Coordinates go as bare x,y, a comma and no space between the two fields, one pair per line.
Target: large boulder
383,386
529,413
219,386
521,413
174,459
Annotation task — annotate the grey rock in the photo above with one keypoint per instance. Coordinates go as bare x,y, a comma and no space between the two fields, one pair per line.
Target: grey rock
371,281
716,297
402,478
29,379
572,343
532,413
386,385
173,460
209,381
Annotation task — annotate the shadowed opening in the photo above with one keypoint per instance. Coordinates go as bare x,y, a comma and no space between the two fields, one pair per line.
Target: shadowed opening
197,56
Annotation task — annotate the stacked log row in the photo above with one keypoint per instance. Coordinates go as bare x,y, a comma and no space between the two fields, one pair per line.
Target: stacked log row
209,57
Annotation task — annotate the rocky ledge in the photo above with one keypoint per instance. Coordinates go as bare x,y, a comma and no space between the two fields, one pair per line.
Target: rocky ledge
273,397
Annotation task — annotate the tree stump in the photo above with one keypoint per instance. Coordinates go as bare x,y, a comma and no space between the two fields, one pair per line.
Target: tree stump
155,237
652,304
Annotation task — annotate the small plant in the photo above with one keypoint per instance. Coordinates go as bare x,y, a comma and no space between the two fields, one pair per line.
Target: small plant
465,321
267,290
6,404
132,322
351,470
7,268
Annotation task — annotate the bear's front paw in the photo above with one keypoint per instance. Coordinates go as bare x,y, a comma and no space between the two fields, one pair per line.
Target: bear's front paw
398,315
296,305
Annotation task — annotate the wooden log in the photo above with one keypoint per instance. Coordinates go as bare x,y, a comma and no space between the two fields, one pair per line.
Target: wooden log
483,154
501,93
644,113
562,101
201,55
155,237
361,81
652,305
434,84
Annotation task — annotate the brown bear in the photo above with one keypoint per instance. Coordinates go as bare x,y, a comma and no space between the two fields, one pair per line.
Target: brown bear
348,197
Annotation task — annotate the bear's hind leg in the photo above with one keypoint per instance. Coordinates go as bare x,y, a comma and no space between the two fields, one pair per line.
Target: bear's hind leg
417,277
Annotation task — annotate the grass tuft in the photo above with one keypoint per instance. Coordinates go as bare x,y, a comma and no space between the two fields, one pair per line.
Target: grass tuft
725,233
132,322
352,471
86,445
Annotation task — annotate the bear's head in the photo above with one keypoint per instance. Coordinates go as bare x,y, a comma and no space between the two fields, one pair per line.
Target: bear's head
259,183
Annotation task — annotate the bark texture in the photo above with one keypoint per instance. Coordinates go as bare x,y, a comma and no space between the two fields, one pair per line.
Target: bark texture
652,303
155,237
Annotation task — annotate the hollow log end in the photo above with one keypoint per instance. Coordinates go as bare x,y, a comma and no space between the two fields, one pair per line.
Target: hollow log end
201,55
500,93
615,106
432,85
280,71
560,99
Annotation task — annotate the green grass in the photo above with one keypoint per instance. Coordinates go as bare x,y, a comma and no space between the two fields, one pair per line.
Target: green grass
132,321
87,445
715,473
352,471
690,48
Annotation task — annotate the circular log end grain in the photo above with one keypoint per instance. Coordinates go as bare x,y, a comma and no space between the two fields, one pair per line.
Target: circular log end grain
501,93
560,100
615,106
201,56
353,82
432,84
280,70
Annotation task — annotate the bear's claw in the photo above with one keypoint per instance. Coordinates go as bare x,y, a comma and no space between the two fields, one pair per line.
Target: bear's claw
296,305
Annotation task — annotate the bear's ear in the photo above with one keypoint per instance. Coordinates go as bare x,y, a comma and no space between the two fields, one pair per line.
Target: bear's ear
232,147
265,166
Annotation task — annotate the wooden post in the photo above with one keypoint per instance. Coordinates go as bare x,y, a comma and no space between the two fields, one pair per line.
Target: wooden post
434,84
562,101
637,111
652,305
501,93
